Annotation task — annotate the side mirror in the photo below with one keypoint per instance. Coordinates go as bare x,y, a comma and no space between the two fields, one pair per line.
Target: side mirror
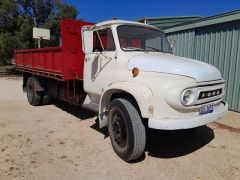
172,43
87,39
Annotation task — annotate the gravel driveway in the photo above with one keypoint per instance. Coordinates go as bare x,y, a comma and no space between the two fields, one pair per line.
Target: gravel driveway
64,142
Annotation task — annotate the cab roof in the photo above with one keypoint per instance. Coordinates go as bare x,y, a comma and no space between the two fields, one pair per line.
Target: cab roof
123,22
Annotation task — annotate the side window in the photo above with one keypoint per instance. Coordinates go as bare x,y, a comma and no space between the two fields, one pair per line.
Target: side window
106,39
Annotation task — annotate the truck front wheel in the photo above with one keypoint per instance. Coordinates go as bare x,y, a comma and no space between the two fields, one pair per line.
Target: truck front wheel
126,130
34,97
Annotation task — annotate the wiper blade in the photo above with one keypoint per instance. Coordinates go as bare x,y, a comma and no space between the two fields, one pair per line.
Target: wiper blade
158,50
133,49
153,48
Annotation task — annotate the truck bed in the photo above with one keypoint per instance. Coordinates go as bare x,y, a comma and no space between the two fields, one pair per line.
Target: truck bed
62,63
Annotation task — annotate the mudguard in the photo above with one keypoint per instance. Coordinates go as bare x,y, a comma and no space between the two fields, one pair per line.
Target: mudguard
142,94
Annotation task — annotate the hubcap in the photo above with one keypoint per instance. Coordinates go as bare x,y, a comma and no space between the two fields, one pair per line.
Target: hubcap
119,129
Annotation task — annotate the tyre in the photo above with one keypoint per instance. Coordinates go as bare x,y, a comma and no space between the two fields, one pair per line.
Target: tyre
126,130
194,130
34,97
45,98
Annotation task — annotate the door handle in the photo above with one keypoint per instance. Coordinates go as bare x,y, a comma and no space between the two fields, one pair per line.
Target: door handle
87,59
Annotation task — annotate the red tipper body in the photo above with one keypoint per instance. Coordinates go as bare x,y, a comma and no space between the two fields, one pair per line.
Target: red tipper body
61,63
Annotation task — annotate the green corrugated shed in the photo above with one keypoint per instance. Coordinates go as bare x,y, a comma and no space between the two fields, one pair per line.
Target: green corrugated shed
214,40
164,22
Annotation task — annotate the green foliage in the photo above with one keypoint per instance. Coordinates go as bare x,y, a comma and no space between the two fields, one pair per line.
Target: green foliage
62,11
18,17
8,12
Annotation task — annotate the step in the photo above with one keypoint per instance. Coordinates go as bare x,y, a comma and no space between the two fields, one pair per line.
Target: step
91,106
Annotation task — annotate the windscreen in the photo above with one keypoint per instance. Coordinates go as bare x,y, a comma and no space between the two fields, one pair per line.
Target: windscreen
137,38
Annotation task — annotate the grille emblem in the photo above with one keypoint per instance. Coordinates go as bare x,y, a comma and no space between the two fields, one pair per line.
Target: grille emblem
208,94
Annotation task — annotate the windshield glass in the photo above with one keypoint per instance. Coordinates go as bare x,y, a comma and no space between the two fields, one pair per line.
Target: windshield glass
137,38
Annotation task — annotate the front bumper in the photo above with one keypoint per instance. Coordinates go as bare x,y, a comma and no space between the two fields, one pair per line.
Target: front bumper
174,124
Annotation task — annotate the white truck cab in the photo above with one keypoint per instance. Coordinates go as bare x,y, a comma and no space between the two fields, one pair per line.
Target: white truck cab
131,74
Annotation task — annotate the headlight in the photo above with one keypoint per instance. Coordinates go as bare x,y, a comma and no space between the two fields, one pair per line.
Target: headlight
188,97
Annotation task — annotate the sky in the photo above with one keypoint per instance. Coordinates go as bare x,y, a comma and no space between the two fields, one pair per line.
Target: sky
100,10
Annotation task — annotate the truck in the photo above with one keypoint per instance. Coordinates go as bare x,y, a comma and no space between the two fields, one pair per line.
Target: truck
125,72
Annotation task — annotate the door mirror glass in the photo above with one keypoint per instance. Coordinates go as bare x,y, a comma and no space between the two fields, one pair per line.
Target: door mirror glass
87,39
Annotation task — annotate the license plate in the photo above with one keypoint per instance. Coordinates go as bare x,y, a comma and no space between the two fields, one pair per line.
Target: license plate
204,109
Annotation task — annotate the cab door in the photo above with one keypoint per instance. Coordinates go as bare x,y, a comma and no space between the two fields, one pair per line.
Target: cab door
99,65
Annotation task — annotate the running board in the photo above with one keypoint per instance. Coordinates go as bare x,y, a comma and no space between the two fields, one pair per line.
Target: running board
91,107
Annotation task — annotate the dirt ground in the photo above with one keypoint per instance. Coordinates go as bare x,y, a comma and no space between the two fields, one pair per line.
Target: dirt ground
64,142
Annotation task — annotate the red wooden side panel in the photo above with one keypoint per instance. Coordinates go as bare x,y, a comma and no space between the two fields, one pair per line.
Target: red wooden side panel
65,62
40,60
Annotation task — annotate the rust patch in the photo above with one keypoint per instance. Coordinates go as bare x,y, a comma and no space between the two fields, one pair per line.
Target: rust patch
150,109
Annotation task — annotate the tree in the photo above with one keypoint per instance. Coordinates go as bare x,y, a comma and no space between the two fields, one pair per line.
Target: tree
38,10
63,11
8,12
18,17
47,14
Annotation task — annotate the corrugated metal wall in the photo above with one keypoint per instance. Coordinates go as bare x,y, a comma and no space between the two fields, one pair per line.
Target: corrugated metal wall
218,45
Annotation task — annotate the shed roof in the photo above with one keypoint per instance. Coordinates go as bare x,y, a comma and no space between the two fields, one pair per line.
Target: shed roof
164,22
211,20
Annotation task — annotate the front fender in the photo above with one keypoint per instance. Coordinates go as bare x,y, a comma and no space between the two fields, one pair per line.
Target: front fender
142,94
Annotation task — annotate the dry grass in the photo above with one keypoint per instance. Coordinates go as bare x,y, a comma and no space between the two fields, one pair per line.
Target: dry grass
8,69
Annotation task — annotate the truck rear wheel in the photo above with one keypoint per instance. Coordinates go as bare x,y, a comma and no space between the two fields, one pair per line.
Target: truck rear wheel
126,130
34,97
45,98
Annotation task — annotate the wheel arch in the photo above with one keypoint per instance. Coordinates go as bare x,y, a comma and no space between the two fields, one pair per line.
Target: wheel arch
137,93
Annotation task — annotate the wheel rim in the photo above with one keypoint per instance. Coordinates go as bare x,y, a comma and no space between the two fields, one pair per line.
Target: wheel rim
119,129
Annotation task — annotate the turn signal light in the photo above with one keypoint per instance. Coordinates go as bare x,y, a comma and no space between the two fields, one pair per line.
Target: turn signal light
135,71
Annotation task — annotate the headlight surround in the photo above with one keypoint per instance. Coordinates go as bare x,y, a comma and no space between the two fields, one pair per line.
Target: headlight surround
188,97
